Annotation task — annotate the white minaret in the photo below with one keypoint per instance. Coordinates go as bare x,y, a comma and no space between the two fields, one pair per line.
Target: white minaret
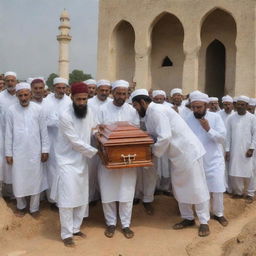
64,38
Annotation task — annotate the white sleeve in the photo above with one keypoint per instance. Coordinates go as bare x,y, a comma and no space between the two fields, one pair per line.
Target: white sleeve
8,134
218,133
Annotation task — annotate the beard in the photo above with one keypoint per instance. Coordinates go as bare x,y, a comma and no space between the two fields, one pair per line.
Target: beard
199,115
80,111
142,112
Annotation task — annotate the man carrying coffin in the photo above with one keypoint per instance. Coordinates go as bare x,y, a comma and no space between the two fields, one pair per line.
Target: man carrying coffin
70,189
173,136
117,185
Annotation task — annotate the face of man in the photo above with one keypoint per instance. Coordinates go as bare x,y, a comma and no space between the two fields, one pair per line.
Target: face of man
24,97
119,96
177,99
241,107
80,104
59,90
10,83
251,109
68,91
159,99
103,92
1,85
140,107
37,90
91,90
199,109
228,107
213,106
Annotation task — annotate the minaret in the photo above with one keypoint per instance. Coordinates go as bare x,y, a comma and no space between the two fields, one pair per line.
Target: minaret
64,38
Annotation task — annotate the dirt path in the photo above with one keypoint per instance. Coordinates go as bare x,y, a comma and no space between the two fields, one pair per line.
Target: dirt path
153,234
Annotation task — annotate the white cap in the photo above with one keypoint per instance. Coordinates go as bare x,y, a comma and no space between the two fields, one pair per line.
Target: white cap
22,85
103,82
252,102
158,92
243,98
212,99
10,73
120,83
90,82
175,90
29,80
199,96
60,80
227,98
139,92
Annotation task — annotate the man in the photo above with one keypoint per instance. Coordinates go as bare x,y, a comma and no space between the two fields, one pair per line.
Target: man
240,145
213,104
37,90
227,110
159,96
117,185
91,84
54,104
68,90
2,87
174,137
26,147
210,130
94,103
72,150
7,98
251,106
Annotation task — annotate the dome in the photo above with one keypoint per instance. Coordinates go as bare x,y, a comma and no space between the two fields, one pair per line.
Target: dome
64,14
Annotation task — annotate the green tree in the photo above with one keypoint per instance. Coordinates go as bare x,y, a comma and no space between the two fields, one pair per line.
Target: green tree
78,76
49,81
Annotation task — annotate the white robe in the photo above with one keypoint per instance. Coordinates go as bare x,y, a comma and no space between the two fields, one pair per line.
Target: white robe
241,136
225,116
25,139
214,163
6,100
53,108
174,137
72,150
119,184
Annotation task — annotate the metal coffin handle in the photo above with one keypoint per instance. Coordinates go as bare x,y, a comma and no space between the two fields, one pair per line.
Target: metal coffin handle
128,159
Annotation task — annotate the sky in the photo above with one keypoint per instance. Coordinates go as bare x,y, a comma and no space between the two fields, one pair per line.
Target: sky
28,30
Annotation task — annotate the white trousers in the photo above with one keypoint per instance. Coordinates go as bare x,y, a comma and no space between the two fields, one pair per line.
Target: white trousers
125,213
71,220
238,185
33,205
217,204
202,211
146,184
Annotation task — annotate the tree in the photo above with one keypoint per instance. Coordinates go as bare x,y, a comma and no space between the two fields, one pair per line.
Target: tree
49,81
78,76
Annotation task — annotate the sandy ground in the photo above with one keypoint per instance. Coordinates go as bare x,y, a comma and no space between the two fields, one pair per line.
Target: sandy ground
153,234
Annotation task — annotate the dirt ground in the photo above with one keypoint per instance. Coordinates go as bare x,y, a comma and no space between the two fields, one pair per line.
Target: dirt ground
153,234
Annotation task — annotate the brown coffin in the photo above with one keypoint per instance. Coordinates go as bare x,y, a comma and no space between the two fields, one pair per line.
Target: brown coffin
122,145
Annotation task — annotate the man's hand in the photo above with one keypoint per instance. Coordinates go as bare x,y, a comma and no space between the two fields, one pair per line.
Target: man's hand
44,157
249,153
227,156
205,124
9,160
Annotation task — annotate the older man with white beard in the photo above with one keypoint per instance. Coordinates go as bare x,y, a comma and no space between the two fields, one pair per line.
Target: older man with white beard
26,147
7,98
54,104
117,185
72,148
175,138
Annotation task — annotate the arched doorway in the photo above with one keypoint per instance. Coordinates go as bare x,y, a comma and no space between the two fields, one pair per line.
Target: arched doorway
167,56
122,52
217,57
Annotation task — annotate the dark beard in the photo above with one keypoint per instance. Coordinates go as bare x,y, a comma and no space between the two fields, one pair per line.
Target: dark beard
199,116
80,112
142,112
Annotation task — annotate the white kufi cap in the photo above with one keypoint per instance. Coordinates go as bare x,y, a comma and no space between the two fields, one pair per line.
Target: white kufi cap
60,80
175,90
10,73
22,85
199,96
243,98
213,99
90,82
103,82
120,83
227,98
158,92
139,92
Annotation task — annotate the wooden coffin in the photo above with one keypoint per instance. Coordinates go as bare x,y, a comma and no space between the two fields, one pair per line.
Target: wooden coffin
122,145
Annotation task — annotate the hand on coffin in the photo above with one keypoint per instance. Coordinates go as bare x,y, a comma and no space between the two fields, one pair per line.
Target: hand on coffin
249,153
44,157
9,160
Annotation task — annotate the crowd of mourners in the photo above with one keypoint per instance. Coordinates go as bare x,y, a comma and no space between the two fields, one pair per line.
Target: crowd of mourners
203,147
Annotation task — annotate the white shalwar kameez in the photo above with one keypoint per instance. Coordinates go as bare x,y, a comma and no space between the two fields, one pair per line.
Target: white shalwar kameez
214,163
117,185
174,137
53,108
26,138
70,188
241,136
94,194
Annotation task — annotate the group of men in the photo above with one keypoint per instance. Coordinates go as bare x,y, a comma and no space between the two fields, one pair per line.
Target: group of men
48,147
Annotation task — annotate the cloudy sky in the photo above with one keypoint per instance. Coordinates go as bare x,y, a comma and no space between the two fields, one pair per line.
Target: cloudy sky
28,30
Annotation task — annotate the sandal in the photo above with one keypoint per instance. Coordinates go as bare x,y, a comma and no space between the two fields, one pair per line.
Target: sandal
128,233
69,242
110,231
203,230
184,224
